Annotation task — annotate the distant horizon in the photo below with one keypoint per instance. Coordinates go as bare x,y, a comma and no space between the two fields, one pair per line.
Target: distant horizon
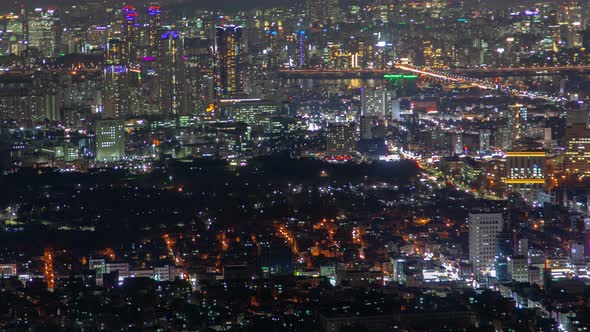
237,4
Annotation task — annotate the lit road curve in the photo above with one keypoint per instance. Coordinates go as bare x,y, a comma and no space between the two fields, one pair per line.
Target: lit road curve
517,70
482,84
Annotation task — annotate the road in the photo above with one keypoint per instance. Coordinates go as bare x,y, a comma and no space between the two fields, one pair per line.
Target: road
480,83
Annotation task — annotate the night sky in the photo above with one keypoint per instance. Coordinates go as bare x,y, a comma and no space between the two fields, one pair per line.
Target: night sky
234,4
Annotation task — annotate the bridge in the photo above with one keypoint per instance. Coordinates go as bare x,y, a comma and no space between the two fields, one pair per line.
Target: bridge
336,73
520,71
472,72
478,82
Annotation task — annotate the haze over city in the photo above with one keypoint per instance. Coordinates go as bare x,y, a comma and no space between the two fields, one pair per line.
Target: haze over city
309,165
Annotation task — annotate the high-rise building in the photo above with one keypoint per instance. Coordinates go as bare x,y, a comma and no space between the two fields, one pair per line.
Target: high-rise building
518,269
42,34
516,120
570,20
504,250
110,140
522,248
340,139
483,233
154,21
302,57
228,61
249,111
115,74
577,143
484,140
366,127
525,173
130,34
457,146
377,102
323,10
516,124
172,76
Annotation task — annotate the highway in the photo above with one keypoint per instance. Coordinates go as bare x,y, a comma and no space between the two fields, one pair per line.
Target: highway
517,71
480,83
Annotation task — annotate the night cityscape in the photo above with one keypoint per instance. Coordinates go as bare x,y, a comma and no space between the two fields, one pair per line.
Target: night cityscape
307,165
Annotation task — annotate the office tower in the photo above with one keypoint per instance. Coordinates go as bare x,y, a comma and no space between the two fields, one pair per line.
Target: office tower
98,265
483,234
21,102
228,61
172,76
333,51
366,126
518,269
484,140
115,72
504,138
457,146
570,20
516,121
516,124
154,21
315,10
130,34
340,139
395,110
42,31
14,36
525,173
110,140
250,112
577,144
323,10
377,102
504,250
53,105
412,122
301,54
274,46
522,247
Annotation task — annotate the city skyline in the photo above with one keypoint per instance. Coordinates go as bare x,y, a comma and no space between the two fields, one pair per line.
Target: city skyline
315,165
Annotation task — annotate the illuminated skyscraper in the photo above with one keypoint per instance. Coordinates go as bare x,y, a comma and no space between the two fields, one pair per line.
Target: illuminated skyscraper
154,11
302,42
130,34
110,140
577,144
42,31
114,79
525,173
483,233
228,58
172,75
323,10
377,102
340,139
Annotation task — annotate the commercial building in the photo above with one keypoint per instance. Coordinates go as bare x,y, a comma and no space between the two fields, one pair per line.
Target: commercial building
42,31
525,173
340,139
228,61
518,269
483,235
577,146
378,103
110,140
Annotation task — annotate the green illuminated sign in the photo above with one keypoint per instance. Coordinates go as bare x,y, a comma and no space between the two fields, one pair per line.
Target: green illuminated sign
399,76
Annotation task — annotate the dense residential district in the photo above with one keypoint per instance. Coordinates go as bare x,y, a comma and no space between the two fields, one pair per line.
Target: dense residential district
317,165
